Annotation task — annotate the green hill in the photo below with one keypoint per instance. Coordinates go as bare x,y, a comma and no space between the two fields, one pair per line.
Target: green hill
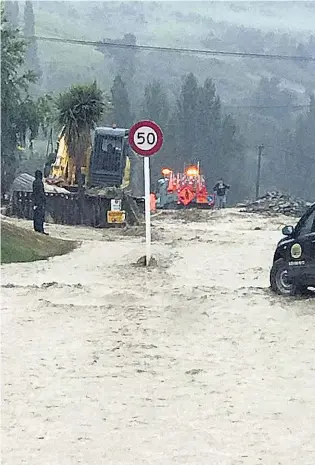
270,27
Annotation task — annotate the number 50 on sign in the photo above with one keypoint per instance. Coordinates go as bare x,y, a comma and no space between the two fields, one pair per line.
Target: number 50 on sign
146,138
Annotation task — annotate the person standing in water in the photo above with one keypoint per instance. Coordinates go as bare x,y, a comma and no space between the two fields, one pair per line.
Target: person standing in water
220,189
39,202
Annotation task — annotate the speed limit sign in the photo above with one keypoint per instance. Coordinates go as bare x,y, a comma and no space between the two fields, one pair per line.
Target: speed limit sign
146,138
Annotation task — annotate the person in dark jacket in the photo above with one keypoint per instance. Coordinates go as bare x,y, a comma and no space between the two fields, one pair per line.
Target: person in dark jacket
220,189
39,201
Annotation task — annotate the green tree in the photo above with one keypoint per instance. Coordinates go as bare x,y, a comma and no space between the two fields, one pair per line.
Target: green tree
155,105
209,128
301,155
121,110
204,135
33,116
14,87
231,158
228,147
47,113
156,108
187,119
79,109
274,103
28,120
31,57
11,11
124,59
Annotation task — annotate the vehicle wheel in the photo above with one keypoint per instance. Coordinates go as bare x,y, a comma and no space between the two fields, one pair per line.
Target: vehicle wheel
278,279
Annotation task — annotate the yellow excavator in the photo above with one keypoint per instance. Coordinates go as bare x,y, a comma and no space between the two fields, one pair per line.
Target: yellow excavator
109,162
113,183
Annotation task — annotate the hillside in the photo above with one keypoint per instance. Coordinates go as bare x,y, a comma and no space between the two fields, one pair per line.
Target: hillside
272,27
270,100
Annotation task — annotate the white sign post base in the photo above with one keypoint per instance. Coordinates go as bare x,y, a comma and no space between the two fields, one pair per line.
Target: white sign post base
147,209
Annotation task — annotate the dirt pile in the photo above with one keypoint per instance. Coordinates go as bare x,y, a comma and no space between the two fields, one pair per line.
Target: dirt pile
112,234
186,215
275,203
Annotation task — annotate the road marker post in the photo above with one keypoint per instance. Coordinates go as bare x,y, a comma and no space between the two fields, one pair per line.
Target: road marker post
146,164
146,139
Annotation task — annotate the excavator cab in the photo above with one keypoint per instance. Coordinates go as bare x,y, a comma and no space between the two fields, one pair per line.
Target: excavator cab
109,159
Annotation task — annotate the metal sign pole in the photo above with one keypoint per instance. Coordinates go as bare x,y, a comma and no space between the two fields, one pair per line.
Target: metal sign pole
146,139
147,209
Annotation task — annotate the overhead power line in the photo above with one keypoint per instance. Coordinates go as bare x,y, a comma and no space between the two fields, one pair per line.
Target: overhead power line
170,49
263,107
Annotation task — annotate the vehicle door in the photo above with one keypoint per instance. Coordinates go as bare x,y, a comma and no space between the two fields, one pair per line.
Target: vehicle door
303,247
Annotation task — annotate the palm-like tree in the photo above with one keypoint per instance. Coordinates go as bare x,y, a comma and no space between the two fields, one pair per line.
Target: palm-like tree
79,109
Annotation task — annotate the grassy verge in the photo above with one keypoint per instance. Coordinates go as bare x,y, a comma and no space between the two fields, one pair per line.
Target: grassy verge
23,245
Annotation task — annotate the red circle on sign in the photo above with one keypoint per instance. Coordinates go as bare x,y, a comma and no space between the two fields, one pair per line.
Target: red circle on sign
141,132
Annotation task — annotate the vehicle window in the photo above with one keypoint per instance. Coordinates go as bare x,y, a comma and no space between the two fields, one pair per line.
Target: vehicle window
308,225
107,154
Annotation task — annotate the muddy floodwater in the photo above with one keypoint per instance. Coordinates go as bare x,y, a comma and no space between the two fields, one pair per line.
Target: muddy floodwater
191,362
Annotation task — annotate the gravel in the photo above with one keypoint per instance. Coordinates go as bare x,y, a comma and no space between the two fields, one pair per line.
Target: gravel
275,203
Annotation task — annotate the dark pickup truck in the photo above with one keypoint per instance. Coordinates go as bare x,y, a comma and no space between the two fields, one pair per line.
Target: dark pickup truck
293,269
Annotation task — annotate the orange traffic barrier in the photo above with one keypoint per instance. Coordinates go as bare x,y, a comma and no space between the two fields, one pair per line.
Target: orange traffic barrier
185,196
201,198
170,186
153,203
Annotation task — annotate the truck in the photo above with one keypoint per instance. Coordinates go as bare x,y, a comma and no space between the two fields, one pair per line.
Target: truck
293,267
185,189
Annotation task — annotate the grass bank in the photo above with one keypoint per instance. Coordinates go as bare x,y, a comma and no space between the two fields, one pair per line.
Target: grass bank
22,245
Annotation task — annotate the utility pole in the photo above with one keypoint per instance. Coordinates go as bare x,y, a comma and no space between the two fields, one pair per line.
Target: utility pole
260,149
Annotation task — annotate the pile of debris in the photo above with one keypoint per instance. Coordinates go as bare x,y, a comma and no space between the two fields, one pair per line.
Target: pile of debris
276,203
24,183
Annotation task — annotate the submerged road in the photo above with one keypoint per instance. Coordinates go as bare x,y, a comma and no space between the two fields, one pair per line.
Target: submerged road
192,362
